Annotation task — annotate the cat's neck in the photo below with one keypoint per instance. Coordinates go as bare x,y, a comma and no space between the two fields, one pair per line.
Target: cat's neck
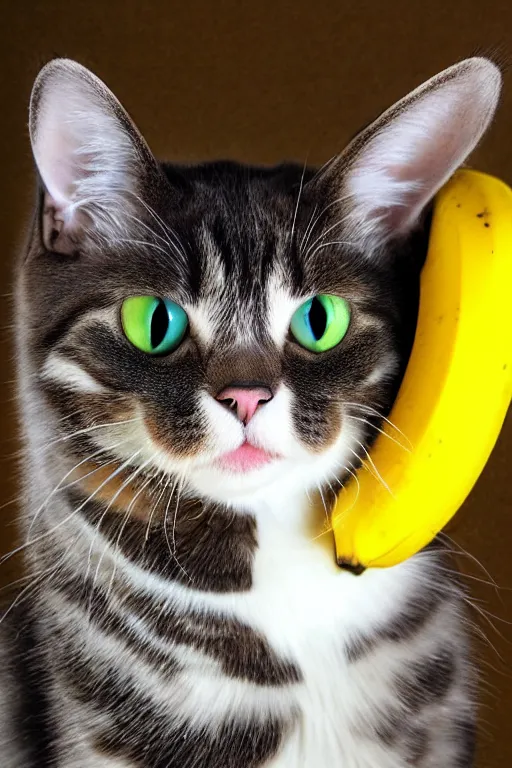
291,516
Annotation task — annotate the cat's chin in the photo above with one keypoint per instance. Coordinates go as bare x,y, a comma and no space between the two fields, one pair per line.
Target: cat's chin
239,475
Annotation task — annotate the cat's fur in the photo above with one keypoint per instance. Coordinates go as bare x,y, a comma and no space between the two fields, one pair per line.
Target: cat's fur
178,615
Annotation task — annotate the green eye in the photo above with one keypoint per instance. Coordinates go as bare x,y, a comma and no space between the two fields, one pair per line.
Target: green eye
153,325
321,323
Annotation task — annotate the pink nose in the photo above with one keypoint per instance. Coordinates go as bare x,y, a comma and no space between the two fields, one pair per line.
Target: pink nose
244,400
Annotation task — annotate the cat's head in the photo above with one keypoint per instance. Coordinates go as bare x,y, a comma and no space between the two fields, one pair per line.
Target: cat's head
238,329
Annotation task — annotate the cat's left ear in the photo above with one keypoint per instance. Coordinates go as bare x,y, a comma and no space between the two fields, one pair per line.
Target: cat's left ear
95,166
382,182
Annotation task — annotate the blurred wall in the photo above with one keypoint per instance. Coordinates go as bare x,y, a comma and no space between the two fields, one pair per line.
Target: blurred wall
266,81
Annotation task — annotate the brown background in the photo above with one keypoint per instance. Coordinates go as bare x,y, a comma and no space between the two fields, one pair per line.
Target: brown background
265,81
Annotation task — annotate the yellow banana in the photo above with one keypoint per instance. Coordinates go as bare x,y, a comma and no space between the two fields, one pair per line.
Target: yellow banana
456,389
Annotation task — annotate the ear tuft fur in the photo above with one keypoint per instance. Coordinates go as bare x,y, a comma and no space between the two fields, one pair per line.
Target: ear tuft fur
91,158
393,169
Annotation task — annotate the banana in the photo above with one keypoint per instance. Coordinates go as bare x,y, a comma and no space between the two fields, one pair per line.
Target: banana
456,389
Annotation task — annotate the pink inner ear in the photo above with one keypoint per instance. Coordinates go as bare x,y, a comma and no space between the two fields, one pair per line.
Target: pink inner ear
87,155
55,150
406,161
412,151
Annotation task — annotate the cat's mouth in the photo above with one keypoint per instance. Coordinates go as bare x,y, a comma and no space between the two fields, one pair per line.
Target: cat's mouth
245,458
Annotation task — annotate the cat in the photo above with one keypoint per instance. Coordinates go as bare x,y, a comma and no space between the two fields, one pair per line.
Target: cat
206,354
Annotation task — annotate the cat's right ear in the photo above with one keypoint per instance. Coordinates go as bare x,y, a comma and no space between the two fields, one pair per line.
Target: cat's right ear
382,183
94,164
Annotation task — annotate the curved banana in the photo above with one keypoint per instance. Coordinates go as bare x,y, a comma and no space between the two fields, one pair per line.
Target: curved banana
456,389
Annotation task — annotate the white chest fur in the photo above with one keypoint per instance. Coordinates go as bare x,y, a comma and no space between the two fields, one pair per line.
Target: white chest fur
309,610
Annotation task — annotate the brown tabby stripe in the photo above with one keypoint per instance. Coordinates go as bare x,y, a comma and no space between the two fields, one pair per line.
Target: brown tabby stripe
409,622
413,739
241,652
232,746
204,546
138,731
465,731
424,683
416,745
97,608
427,680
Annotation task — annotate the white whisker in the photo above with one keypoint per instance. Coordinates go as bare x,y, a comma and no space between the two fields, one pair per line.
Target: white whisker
173,548
305,236
60,487
68,517
155,507
122,527
105,512
87,430
381,431
146,243
470,556
297,203
375,412
329,229
375,470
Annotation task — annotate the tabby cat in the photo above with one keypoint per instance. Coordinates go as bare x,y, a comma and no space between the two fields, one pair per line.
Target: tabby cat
205,356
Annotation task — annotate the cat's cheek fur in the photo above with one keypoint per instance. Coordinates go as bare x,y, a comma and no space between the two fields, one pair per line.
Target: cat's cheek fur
70,374
276,428
218,432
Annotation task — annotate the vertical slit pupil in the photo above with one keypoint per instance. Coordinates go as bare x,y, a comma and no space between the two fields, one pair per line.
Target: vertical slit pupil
317,318
159,324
